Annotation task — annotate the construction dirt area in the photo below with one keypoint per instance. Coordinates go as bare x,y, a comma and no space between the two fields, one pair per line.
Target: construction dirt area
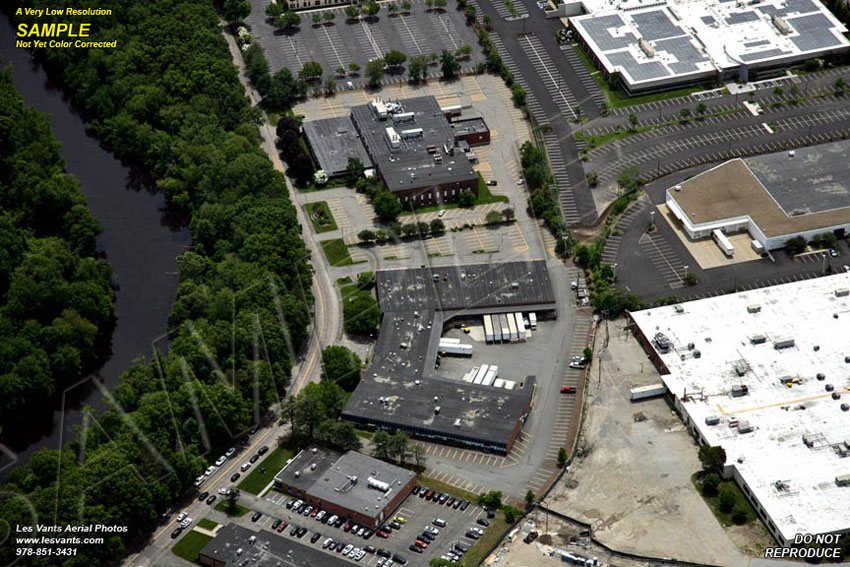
632,482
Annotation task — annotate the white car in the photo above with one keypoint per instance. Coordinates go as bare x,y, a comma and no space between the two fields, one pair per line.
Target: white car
224,491
432,530
441,213
353,553
185,523
200,480
245,467
320,515
326,543
478,530
578,362
520,181
220,461
210,470
360,555
332,520
229,452
347,549
180,516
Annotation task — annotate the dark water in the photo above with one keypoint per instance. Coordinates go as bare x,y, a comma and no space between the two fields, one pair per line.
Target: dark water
138,240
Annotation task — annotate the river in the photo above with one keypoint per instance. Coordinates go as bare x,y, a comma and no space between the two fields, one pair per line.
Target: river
138,240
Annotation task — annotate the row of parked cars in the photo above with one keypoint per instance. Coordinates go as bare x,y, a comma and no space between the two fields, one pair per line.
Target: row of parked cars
440,497
301,507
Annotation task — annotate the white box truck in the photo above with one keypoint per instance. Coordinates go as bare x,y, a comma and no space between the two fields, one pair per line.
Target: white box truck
506,331
488,329
532,320
512,327
520,326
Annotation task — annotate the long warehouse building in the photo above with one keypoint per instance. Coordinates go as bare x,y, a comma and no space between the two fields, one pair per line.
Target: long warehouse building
765,374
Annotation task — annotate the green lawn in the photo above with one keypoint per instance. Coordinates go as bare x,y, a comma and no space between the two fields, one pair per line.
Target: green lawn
240,510
321,209
713,502
617,98
484,197
363,434
206,523
336,252
256,481
191,545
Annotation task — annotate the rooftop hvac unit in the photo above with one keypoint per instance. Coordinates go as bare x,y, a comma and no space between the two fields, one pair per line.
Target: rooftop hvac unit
393,139
758,339
678,309
784,342
780,24
648,50
809,440
754,308
377,484
744,427
741,390
412,133
712,420
843,480
843,292
404,117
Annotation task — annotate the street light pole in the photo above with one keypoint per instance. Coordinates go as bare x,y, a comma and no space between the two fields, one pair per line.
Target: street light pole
686,272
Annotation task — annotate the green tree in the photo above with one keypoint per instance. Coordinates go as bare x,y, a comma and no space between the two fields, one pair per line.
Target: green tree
375,72
236,10
371,8
529,499
710,484
329,15
399,446
329,84
395,58
518,94
449,65
382,443
713,459
508,213
562,457
701,108
511,513
492,499
310,71
469,13
739,515
633,120
488,21
287,21
342,366
392,8
466,198
437,227
386,206
316,17
629,179
795,245
354,68
274,10
284,89
684,114
417,68
361,315
690,278
727,499
405,5
840,84
352,12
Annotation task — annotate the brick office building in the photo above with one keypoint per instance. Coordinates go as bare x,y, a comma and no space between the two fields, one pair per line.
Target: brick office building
351,485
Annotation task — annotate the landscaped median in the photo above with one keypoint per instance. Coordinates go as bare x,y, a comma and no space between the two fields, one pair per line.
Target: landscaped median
336,252
321,217
256,480
240,510
190,545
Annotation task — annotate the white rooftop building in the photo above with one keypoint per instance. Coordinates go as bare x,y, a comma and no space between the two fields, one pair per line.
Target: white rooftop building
658,44
766,375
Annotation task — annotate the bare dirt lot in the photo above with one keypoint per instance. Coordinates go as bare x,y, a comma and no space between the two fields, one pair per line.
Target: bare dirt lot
633,483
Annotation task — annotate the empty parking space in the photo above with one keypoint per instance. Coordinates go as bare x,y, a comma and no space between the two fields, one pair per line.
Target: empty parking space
337,209
545,68
662,257
412,37
332,47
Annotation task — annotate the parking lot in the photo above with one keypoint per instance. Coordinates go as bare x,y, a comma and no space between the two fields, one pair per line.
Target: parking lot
415,512
340,41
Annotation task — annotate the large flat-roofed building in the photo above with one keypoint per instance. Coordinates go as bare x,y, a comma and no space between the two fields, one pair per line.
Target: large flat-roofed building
334,141
774,197
235,546
413,147
401,389
351,485
765,374
669,43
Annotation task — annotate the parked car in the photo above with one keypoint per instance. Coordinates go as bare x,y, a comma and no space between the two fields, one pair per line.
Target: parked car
833,252
203,496
439,522
421,543
416,489
472,535
315,537
464,505
382,534
210,470
211,499
492,183
253,459
400,520
347,527
301,507
294,530
234,477
220,461
245,467
568,390
368,533
282,527
457,503
443,498
332,520
263,450
450,501
326,543
229,452
415,548
180,516
383,553
441,213
307,510
369,549
395,525
432,530
224,491
360,531
482,522
399,559
186,523
176,533
301,532
425,536
578,362
347,549
256,516
321,515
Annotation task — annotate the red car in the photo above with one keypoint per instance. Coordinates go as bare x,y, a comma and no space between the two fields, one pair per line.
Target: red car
421,544
347,526
568,390
314,512
382,533
282,526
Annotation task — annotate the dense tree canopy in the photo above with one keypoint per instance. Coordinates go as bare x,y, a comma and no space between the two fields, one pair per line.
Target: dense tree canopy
56,303
167,98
